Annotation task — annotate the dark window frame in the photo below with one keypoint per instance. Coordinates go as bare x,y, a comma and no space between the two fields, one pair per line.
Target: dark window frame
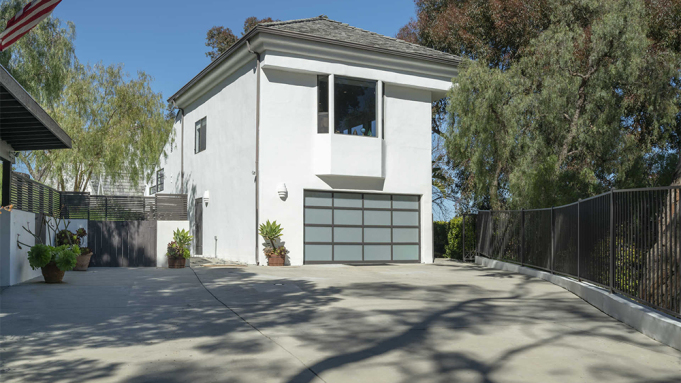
160,180
335,103
323,92
200,128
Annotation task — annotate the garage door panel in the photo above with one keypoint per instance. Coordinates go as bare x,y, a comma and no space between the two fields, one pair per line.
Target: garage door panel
347,234
377,253
376,217
318,216
377,234
318,253
357,227
347,252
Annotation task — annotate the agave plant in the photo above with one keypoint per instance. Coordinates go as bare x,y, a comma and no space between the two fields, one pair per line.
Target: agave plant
271,231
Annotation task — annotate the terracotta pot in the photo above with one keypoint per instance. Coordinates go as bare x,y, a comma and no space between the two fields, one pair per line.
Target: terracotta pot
51,273
82,262
276,261
176,262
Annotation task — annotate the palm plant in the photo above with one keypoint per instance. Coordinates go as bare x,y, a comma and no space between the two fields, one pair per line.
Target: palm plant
271,231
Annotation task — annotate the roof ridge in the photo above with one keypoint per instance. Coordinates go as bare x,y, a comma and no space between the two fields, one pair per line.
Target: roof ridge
296,21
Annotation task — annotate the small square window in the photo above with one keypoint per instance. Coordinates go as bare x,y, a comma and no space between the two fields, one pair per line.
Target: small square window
160,179
200,135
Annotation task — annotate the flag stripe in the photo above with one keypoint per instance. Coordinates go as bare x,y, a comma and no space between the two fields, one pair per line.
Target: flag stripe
17,23
25,20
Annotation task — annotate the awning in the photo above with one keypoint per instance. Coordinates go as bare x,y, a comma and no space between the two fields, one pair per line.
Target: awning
23,123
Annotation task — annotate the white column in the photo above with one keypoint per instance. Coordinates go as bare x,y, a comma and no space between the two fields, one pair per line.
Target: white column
332,111
379,109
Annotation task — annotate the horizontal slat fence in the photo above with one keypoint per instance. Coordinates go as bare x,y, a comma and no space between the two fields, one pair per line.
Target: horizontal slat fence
31,196
625,240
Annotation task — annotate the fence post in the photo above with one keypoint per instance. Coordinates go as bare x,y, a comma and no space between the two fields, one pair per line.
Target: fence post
463,238
553,240
522,237
106,208
579,202
612,239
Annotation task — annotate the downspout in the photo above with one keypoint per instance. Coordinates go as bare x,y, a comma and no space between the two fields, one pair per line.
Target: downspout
181,148
256,173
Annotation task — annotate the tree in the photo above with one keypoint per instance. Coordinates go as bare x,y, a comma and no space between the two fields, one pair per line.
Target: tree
564,120
219,38
40,60
117,124
493,160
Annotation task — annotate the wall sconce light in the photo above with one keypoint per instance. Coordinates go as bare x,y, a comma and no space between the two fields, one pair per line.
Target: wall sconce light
282,191
206,197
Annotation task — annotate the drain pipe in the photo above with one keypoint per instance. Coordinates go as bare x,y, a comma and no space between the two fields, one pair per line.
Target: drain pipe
256,173
181,148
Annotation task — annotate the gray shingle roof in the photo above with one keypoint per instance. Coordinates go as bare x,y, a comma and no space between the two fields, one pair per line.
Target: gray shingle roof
322,26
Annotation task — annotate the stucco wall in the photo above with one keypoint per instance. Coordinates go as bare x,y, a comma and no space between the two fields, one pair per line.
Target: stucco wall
164,235
14,266
288,138
225,168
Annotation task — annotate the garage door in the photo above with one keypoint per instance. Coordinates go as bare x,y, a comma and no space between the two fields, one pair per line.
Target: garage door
357,227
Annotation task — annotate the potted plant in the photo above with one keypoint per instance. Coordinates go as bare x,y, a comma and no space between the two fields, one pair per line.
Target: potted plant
178,249
271,231
53,261
66,237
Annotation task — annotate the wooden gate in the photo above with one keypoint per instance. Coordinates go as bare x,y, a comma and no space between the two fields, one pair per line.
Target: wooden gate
122,243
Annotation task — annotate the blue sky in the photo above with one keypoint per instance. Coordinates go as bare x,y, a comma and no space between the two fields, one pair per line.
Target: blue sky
166,38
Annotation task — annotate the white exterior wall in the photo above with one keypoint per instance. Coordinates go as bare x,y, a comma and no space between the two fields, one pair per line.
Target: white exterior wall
289,151
164,235
225,169
14,266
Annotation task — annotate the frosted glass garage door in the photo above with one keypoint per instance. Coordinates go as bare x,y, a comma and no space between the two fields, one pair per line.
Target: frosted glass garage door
359,227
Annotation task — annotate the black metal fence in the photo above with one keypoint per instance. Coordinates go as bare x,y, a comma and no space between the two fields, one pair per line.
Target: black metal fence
34,197
623,240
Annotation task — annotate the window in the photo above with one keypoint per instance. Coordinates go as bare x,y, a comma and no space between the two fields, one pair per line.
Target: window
322,104
152,190
160,178
200,135
355,107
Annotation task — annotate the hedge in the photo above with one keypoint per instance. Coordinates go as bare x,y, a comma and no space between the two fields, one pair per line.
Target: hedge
447,237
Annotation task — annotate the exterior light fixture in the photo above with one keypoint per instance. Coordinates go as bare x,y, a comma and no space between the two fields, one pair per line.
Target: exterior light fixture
282,191
206,197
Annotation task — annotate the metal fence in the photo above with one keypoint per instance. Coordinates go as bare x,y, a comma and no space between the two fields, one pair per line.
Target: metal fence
623,240
34,197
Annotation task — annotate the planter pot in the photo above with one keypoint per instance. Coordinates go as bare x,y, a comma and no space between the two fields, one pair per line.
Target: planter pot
276,261
82,262
51,273
176,263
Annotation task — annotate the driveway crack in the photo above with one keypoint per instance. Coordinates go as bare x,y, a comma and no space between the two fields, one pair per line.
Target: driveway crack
253,327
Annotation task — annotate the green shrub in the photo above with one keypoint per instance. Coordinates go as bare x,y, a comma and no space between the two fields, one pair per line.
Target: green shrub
440,232
454,238
63,256
271,231
39,255
179,247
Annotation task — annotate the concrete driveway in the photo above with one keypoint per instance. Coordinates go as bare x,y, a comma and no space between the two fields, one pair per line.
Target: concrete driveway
447,322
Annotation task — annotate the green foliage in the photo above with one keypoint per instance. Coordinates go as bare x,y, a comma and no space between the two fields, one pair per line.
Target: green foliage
454,248
589,104
440,232
39,255
219,38
179,247
271,231
281,251
67,237
63,256
41,60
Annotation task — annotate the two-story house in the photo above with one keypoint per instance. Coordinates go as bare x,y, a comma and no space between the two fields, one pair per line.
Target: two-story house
320,126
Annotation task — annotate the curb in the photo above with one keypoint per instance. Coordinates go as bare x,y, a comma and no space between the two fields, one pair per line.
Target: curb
654,324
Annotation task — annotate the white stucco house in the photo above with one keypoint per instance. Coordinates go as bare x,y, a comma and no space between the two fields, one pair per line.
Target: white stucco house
320,126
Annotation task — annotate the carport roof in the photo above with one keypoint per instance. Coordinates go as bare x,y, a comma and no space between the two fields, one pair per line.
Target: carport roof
23,123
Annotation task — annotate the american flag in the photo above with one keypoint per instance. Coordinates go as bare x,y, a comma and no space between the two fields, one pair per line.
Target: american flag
27,18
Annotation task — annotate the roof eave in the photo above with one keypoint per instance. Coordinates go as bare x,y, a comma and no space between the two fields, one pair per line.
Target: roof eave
454,61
